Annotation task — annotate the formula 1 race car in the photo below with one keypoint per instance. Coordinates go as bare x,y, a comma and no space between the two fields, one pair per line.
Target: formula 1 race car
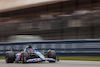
30,54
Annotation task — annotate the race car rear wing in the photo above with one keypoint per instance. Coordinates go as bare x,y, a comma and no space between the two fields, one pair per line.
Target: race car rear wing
14,49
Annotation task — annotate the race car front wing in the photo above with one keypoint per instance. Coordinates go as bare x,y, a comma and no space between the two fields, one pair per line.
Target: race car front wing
39,59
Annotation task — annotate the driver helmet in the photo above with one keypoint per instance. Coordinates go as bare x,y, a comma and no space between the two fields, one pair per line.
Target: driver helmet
29,46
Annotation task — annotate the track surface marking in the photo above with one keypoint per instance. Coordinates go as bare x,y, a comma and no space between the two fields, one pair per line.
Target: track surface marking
61,63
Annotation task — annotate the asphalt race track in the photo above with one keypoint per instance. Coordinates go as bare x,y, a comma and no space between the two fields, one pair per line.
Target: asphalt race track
61,63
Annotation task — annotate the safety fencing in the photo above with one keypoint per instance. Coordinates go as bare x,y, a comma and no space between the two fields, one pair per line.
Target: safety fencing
62,47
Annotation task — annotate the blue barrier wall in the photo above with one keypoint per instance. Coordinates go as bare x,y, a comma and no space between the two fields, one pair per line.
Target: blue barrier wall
62,48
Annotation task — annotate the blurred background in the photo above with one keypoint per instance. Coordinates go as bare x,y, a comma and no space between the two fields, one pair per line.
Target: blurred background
70,27
49,20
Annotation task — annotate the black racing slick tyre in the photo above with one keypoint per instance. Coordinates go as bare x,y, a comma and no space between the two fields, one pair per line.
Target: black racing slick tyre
52,54
24,57
10,57
57,58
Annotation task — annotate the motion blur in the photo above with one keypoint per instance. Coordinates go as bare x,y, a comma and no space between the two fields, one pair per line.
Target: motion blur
70,27
61,20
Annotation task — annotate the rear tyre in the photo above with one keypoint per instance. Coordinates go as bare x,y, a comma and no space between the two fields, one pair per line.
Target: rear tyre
57,58
10,57
52,54
24,57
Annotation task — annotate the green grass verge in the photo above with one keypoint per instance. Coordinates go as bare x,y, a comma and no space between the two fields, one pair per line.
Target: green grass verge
84,58
2,57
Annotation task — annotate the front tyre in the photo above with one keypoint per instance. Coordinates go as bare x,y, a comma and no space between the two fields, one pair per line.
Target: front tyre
52,54
24,57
